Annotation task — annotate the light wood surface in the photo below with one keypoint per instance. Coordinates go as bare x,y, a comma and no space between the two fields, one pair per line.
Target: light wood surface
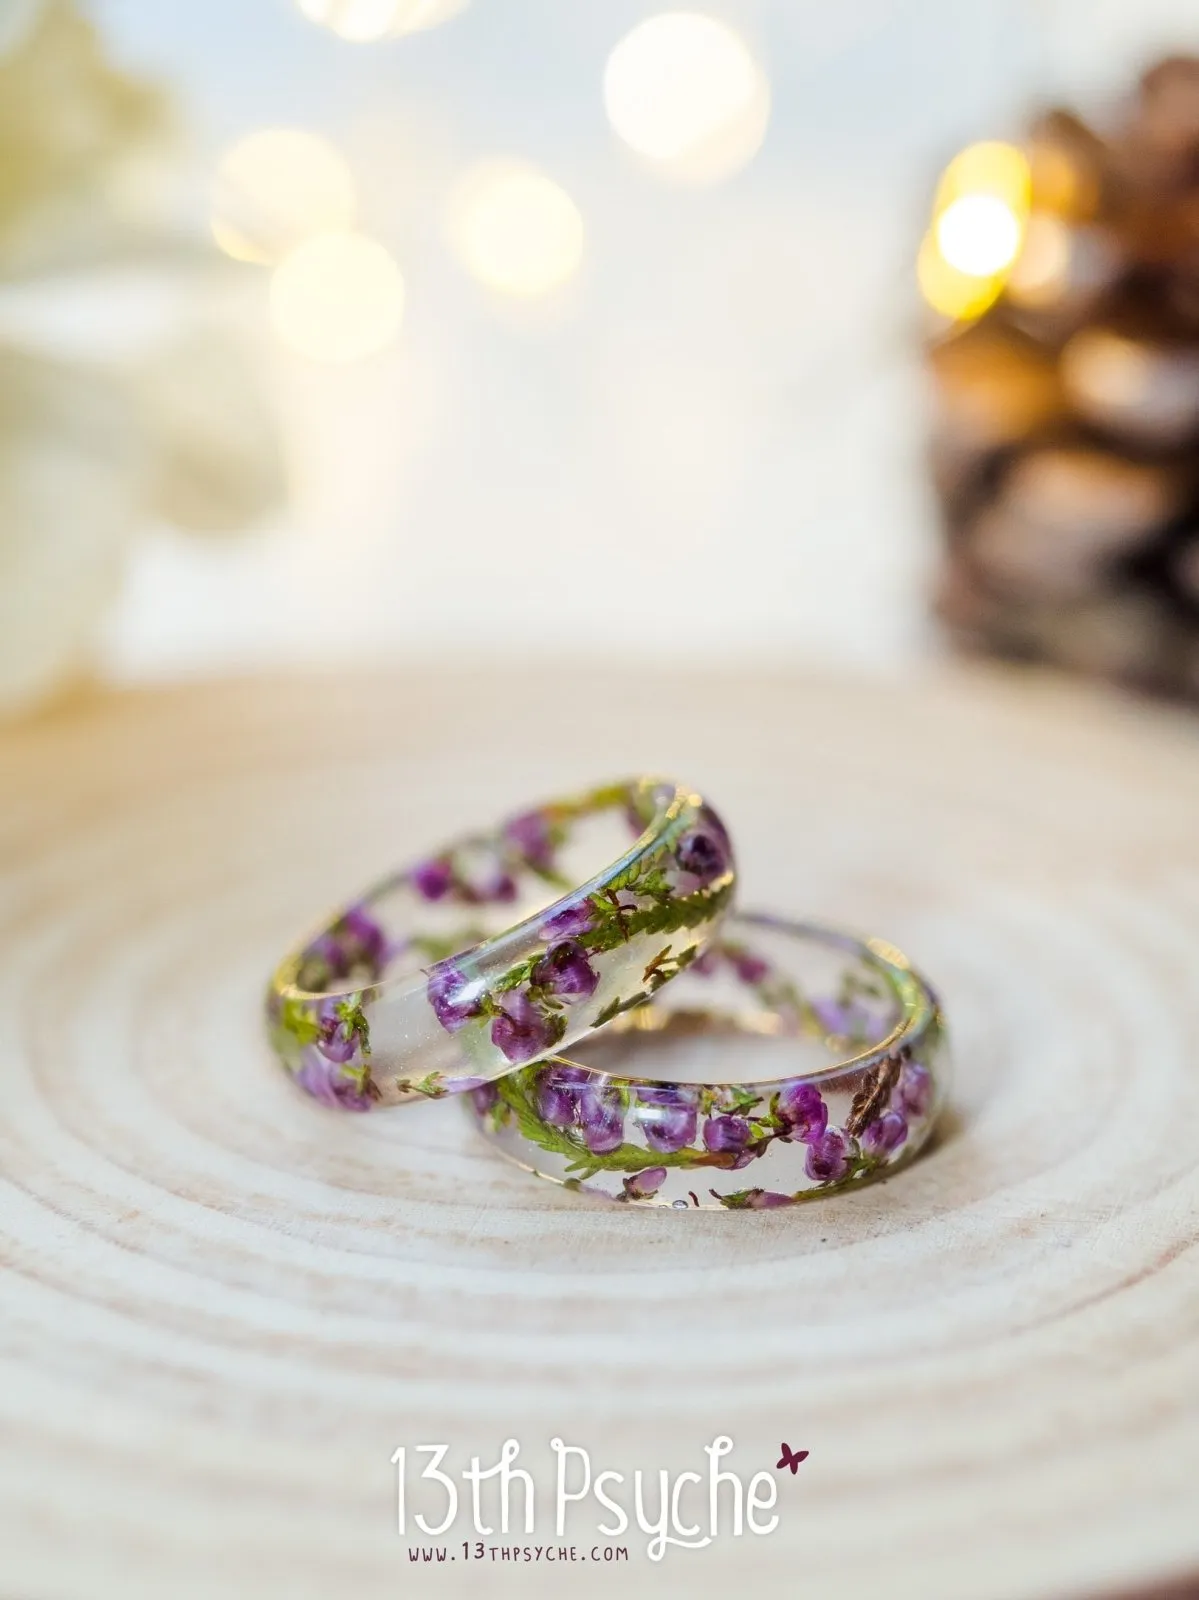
222,1307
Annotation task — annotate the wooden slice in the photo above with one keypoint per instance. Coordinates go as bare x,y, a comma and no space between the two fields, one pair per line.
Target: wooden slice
223,1307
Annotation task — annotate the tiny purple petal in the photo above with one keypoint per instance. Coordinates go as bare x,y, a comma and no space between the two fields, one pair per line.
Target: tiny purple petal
601,1118
667,1094
530,834
884,1134
338,1040
802,1111
700,854
570,922
558,1091
521,1030
750,969
565,1072
556,1105
452,995
832,1016
499,887
643,1185
337,1043
323,960
726,1135
324,1080
484,1097
766,1199
706,964
853,1020
827,1160
432,879
667,1117
564,970
364,935
915,1089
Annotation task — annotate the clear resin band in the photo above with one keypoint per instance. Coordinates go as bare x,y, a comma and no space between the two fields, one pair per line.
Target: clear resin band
859,1032
503,947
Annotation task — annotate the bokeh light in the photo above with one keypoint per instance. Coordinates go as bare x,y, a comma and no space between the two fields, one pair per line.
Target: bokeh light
685,93
362,21
337,297
990,168
950,292
275,188
979,234
980,216
514,229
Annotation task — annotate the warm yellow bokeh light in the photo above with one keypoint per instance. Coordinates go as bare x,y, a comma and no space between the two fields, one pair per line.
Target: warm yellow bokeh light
685,93
990,168
979,219
979,234
514,229
337,297
361,21
275,188
951,293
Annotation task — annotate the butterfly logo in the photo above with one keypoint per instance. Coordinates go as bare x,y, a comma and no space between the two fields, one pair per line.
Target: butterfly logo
790,1458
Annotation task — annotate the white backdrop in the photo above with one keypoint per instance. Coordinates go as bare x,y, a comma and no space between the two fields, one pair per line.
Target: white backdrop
708,442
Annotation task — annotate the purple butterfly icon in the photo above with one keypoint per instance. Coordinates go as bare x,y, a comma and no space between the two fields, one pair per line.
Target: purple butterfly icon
790,1458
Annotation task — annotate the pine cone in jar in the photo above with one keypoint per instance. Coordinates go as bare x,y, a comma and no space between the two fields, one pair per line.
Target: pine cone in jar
1063,274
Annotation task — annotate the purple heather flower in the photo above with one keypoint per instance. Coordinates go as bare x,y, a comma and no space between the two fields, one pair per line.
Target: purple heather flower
701,855
766,1199
453,996
497,886
322,961
915,1089
565,971
432,879
726,1135
522,1030
557,1093
601,1117
644,1185
483,1097
573,919
530,834
802,1111
667,1117
338,1040
750,969
853,1020
325,1081
827,1160
884,1134
566,1072
363,935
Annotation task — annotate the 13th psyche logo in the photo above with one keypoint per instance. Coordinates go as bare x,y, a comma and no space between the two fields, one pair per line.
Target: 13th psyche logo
567,1495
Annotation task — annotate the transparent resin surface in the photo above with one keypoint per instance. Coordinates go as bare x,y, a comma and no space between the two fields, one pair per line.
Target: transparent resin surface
503,947
787,1062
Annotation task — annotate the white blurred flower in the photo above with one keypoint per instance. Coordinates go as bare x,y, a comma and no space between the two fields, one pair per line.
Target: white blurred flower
94,449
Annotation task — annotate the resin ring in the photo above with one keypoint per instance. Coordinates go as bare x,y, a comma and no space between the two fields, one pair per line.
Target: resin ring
859,1032
502,947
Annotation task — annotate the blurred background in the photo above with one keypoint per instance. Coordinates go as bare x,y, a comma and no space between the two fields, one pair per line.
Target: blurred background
334,329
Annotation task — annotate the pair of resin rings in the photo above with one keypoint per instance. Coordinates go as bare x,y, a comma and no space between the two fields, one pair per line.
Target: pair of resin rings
471,971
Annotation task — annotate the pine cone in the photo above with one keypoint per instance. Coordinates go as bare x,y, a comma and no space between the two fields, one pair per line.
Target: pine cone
1066,448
